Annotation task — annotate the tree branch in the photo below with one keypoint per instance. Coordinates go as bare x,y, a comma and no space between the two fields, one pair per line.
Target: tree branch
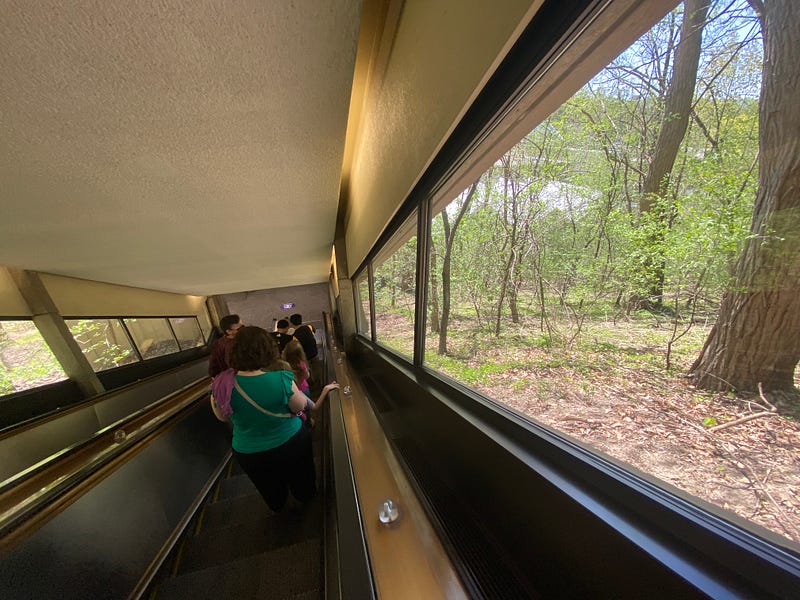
765,413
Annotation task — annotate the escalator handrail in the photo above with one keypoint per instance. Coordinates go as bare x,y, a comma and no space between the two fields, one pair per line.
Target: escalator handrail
22,476
16,428
353,569
141,425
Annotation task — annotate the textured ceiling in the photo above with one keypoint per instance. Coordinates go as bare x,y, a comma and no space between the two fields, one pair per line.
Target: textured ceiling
192,146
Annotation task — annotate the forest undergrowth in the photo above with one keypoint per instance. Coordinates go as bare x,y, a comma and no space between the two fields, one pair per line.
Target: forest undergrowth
610,390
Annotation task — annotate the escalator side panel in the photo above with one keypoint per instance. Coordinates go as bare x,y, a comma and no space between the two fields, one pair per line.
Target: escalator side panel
99,546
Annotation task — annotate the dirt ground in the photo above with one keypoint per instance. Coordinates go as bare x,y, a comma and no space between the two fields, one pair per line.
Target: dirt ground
698,442
664,427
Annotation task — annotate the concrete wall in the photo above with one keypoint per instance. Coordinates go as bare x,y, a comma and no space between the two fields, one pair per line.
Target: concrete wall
259,307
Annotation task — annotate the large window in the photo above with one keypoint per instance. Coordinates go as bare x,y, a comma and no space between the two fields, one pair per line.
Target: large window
363,311
188,332
153,337
104,342
579,278
107,343
26,361
395,290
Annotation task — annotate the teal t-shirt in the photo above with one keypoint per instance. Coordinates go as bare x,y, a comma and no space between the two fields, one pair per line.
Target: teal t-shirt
254,431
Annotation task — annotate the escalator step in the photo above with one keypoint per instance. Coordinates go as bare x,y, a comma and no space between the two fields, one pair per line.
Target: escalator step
216,546
235,486
232,511
290,572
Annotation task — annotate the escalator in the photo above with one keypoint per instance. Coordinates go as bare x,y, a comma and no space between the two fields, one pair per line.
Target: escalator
237,547
153,506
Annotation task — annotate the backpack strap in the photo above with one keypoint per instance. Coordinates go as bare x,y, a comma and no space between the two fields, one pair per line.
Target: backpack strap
261,408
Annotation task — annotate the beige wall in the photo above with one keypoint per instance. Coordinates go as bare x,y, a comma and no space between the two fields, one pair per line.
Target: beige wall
12,304
259,307
80,297
83,298
442,54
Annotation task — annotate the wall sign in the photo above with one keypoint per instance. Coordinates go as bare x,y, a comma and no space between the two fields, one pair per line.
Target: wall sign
288,305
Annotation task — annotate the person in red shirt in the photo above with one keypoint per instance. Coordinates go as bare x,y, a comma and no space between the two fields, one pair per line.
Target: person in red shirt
219,353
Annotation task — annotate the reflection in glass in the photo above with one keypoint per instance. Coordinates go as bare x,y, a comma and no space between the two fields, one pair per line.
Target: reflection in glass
188,332
103,342
25,359
152,337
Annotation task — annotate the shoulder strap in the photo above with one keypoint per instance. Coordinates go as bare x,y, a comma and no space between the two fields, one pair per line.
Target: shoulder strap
262,409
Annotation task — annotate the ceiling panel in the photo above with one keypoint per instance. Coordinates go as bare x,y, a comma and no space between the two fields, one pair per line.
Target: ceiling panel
187,146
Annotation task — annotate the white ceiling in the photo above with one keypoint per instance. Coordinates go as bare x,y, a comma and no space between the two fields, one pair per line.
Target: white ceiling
192,146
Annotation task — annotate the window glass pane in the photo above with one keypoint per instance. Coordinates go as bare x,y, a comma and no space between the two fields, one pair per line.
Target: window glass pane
25,360
579,278
152,337
188,332
103,342
395,286
362,305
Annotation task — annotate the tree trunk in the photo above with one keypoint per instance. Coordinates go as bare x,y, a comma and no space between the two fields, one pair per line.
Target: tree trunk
503,286
449,237
513,296
434,288
444,322
757,335
677,110
509,241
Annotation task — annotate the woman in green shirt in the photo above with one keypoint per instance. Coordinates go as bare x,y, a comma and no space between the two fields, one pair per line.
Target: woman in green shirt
259,396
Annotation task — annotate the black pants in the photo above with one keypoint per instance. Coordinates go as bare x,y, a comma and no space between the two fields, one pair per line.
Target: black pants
290,466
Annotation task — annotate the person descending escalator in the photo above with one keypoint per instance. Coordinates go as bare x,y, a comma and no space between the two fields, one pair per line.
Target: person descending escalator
304,333
218,362
260,398
281,334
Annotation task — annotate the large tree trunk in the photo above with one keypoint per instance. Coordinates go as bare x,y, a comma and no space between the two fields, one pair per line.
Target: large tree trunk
677,109
757,335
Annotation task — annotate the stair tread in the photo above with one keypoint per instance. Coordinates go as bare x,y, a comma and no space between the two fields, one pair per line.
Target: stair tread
268,532
235,486
292,571
231,511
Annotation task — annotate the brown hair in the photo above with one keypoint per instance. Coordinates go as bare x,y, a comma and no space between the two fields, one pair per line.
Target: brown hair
293,354
253,348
